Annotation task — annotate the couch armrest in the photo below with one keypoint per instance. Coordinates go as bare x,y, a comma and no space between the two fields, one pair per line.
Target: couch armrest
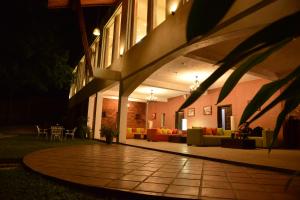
268,138
195,137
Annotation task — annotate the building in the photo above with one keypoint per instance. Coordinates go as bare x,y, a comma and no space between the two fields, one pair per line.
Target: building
161,48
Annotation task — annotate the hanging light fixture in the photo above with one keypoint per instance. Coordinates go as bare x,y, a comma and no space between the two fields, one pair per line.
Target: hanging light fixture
96,31
151,97
195,85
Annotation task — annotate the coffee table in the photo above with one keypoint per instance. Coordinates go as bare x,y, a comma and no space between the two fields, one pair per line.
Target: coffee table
238,143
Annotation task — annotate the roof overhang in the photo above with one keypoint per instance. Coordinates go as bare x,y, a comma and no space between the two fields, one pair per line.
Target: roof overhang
52,4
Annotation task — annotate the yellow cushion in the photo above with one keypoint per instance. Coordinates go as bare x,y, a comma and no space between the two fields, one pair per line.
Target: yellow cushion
138,130
129,130
164,131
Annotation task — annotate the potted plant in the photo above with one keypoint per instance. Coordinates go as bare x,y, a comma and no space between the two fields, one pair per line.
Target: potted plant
108,133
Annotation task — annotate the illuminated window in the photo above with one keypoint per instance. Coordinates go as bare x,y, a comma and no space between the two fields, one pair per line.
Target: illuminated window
140,20
109,38
159,12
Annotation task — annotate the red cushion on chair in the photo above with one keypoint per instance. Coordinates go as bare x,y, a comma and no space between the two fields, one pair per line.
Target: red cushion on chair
203,131
134,130
174,131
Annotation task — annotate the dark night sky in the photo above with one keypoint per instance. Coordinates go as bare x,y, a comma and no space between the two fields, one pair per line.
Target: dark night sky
28,24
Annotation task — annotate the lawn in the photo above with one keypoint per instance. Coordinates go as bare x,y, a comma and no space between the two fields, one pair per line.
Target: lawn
15,148
16,182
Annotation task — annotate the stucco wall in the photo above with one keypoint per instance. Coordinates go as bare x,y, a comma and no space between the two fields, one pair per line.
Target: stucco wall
238,98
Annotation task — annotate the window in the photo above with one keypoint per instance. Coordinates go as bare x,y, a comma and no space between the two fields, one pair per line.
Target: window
111,39
159,12
140,20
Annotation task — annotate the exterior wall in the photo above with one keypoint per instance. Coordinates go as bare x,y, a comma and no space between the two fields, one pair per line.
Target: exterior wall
238,98
136,117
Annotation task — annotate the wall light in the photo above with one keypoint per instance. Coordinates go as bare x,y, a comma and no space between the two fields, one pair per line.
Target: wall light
121,51
96,31
184,124
173,8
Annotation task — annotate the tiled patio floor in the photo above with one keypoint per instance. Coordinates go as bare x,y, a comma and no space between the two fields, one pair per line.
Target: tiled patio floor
278,158
156,173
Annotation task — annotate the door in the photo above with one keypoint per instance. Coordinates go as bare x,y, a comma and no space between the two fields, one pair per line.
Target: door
178,120
224,113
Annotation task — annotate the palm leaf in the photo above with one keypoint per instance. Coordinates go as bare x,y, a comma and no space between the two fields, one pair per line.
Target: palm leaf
202,20
265,92
289,106
269,35
246,66
289,93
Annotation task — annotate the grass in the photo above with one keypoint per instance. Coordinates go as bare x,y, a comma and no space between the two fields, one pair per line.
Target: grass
16,182
15,148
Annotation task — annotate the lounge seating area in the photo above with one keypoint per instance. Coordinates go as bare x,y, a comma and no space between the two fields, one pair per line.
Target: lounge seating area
136,133
165,134
199,137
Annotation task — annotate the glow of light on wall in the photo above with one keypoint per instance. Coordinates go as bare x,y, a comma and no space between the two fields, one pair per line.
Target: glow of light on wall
184,124
173,8
190,77
121,51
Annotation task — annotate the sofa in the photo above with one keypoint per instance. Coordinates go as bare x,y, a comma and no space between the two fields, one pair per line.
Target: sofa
163,134
200,137
131,132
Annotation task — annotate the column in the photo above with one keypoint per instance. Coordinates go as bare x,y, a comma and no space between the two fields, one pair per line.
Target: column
98,115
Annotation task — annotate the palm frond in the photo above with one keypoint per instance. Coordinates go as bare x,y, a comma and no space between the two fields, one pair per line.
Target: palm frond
289,93
246,66
289,106
265,92
268,36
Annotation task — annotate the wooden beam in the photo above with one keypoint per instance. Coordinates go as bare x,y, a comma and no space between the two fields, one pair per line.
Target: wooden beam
87,51
52,4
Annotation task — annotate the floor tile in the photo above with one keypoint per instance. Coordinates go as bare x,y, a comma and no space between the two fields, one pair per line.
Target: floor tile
138,172
216,184
250,195
247,186
214,173
154,179
165,174
123,184
214,178
213,192
151,187
187,182
180,196
189,171
185,190
189,176
133,178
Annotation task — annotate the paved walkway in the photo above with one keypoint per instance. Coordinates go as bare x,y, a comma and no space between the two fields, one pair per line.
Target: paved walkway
278,158
142,171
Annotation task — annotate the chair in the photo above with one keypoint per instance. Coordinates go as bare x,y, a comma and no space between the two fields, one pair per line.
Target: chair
41,131
56,132
70,132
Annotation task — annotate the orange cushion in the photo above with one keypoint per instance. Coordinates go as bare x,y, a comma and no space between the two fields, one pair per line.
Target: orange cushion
134,130
169,131
214,131
208,131
159,131
174,131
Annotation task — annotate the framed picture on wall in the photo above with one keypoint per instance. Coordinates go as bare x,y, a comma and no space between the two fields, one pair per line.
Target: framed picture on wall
207,110
191,112
153,116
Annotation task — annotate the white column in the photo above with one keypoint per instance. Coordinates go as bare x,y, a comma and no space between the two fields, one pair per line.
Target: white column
122,111
98,115
90,114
